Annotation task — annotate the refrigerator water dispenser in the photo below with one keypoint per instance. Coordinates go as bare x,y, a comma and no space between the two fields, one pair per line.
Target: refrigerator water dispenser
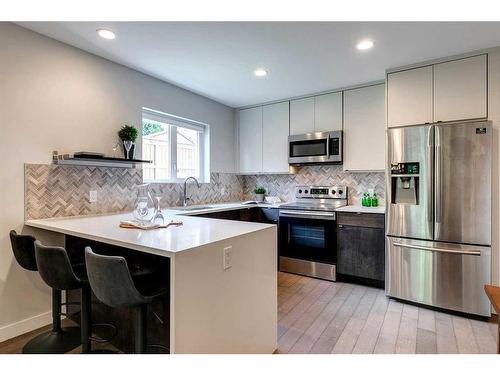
405,183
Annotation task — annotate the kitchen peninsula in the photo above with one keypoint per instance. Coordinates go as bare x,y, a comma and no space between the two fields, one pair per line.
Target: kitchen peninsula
222,274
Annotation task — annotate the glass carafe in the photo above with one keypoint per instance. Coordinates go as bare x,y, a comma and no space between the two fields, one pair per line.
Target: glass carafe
144,207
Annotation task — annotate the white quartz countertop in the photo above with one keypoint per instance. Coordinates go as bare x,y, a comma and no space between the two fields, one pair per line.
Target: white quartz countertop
367,210
194,232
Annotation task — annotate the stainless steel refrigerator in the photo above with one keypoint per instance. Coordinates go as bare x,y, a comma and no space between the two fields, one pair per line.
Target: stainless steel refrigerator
438,220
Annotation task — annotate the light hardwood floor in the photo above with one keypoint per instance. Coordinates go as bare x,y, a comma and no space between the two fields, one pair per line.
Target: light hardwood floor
316,316
15,345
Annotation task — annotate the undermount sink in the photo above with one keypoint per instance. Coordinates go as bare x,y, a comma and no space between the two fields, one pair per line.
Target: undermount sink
195,208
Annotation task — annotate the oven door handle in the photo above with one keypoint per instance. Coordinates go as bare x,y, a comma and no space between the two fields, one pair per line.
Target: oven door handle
308,214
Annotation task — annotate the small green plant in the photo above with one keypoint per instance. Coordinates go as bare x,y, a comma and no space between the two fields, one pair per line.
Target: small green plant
259,190
128,133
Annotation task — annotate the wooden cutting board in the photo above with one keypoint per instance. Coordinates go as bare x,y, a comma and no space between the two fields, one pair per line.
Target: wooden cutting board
137,225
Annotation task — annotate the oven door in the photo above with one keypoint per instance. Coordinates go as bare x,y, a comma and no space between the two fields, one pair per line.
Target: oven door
308,148
308,235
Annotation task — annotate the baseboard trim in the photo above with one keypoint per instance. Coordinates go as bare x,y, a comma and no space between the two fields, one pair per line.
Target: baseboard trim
26,325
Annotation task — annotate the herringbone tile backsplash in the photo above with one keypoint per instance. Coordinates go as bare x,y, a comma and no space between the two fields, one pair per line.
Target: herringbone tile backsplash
327,175
52,190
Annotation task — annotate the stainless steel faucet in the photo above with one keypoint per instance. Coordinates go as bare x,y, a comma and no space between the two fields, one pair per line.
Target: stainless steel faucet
185,199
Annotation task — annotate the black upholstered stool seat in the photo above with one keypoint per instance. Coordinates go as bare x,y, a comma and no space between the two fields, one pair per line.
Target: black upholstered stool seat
81,272
112,284
57,271
58,340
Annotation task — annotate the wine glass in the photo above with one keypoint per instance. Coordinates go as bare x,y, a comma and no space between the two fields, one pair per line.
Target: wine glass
115,146
128,146
158,218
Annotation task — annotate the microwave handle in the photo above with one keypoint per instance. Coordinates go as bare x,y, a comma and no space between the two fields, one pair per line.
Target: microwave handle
341,146
328,145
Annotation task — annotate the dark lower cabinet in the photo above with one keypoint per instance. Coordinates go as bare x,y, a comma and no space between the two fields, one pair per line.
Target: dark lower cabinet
226,215
268,215
253,214
361,247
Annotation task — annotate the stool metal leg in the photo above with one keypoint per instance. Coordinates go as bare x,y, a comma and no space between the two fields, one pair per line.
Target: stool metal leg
57,340
140,329
56,310
86,319
86,325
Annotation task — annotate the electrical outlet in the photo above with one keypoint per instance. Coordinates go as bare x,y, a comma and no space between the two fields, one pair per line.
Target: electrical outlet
227,257
93,196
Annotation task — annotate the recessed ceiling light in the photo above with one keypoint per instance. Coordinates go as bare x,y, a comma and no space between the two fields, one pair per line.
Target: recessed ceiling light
106,34
365,44
260,73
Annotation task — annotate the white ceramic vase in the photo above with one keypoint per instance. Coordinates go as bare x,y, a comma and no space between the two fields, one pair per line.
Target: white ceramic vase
259,197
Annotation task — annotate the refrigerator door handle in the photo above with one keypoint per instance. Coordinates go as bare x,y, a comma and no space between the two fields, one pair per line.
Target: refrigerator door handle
438,249
430,150
438,178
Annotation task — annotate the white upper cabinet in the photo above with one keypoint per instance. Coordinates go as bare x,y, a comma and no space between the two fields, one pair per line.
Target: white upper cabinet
250,140
263,139
275,137
364,128
302,116
328,112
460,89
409,97
449,91
319,113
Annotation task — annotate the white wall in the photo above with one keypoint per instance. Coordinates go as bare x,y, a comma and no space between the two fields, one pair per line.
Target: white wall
57,97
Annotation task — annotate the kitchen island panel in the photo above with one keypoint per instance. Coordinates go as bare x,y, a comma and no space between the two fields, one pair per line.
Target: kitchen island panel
234,310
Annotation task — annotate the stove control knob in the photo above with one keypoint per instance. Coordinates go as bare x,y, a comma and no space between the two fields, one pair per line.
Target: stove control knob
333,192
300,191
306,191
340,191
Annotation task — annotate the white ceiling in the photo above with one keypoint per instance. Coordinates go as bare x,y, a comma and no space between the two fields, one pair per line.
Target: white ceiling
217,59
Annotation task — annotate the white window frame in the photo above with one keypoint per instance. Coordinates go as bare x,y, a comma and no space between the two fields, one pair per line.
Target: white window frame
174,122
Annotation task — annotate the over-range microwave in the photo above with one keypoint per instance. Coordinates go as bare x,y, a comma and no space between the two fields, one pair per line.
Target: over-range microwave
312,148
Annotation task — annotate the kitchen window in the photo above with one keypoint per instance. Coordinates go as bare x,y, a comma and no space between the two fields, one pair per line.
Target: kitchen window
178,148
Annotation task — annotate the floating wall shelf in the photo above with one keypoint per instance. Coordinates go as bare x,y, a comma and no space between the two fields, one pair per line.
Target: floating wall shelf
101,162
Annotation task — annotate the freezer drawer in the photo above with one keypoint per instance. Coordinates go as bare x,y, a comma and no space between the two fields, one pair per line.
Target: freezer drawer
439,274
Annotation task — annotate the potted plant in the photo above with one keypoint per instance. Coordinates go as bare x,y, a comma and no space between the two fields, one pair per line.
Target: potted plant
128,135
259,193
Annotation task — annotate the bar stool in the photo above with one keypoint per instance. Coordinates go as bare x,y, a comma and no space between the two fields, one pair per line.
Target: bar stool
55,269
112,284
57,340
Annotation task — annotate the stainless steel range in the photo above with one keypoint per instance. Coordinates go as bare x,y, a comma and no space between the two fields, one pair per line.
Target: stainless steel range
307,240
